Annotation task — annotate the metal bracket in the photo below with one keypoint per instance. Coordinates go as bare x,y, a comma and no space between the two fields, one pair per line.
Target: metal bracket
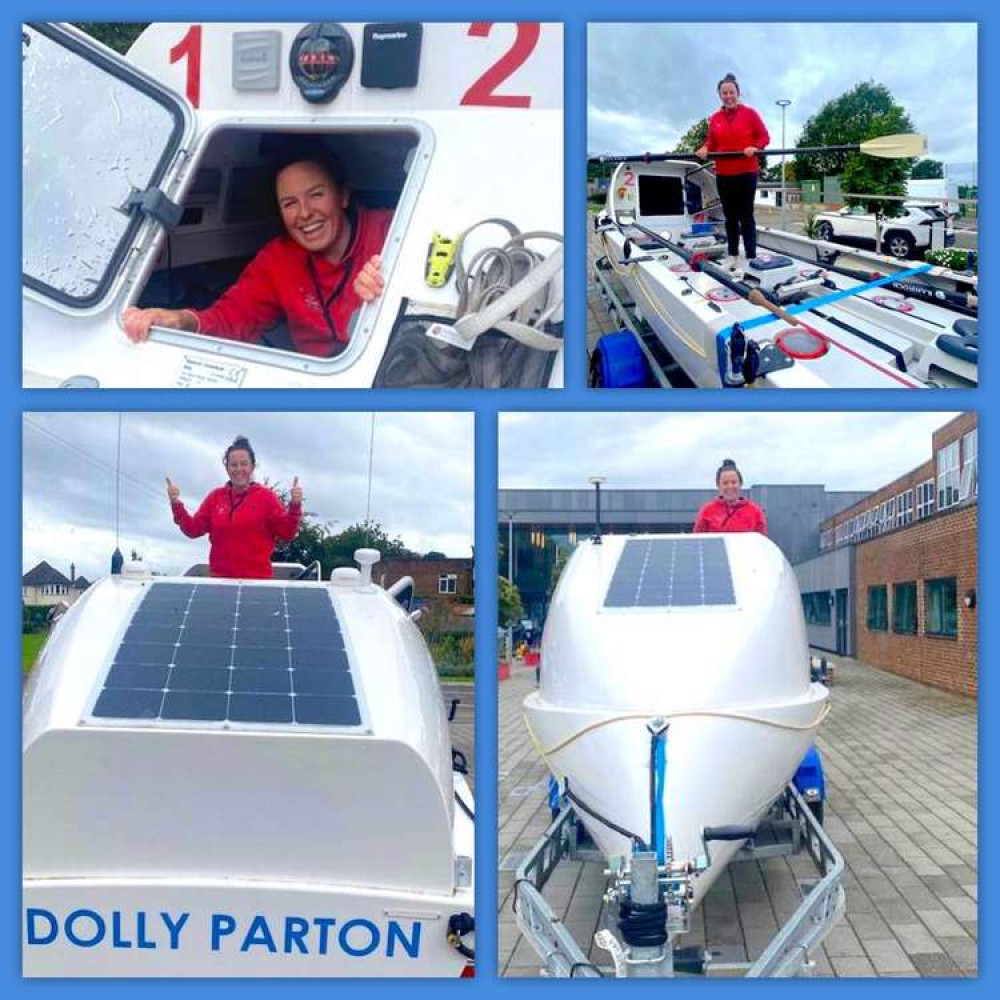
154,203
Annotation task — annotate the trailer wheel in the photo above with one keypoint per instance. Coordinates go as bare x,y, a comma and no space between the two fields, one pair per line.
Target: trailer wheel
824,231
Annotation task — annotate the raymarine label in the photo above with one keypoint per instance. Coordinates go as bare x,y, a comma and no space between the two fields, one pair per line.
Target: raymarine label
222,933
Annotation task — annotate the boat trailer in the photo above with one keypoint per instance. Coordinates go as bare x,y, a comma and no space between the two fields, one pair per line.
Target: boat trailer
662,893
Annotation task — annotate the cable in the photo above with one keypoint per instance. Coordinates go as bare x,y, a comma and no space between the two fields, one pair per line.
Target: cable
671,716
468,812
91,459
577,801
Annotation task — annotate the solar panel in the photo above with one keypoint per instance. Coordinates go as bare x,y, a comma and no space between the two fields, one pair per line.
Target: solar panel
671,573
232,653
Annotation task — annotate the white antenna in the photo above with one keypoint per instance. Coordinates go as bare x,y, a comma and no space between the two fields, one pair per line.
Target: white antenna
371,454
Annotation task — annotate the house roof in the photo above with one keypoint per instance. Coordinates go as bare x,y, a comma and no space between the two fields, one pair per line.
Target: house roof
80,583
43,575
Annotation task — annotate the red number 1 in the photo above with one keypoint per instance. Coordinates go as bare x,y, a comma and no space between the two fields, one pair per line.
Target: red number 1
482,92
190,46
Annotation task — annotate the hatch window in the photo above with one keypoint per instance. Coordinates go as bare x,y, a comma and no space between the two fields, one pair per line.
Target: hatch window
231,215
92,132
661,195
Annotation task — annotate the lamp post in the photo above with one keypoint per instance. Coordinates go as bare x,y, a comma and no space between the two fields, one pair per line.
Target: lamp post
783,103
596,482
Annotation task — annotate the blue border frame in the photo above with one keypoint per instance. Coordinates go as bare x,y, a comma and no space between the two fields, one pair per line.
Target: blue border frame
486,405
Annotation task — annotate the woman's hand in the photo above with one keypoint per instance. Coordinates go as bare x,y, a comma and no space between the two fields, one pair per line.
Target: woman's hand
139,322
296,494
369,284
173,492
702,153
750,151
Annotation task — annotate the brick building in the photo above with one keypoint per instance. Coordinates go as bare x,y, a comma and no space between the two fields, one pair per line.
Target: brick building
904,594
437,583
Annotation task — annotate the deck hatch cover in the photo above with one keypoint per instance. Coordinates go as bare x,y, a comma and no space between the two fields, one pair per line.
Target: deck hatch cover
239,654
671,573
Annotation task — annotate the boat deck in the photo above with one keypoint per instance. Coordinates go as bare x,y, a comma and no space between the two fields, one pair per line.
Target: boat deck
900,763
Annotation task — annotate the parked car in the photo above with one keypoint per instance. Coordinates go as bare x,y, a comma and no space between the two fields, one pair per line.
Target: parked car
902,237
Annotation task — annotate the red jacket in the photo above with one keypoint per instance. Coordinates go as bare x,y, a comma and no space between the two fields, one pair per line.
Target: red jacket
729,131
278,284
718,516
243,528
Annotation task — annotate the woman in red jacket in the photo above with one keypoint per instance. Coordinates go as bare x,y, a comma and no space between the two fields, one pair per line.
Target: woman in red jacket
729,511
314,277
242,519
736,127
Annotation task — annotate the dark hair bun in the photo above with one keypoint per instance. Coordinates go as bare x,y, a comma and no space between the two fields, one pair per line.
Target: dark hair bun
240,443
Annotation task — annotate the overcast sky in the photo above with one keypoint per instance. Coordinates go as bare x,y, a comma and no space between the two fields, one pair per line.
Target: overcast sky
421,490
649,83
843,451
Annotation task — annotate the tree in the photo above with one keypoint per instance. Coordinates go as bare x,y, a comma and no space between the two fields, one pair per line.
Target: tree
927,169
117,35
562,557
694,138
511,609
867,111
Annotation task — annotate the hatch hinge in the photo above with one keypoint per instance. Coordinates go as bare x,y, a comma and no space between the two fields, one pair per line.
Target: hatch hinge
154,203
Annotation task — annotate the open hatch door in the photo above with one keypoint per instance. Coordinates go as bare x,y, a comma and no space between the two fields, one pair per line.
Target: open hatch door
102,146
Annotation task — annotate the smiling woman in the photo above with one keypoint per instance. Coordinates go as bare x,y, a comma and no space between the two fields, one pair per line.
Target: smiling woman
299,279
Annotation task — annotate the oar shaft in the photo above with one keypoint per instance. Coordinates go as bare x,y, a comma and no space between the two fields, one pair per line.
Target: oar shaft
727,155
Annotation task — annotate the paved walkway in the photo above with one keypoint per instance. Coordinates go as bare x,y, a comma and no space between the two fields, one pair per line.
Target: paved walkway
462,727
900,761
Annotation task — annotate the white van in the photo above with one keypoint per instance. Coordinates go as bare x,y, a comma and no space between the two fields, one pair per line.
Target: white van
146,181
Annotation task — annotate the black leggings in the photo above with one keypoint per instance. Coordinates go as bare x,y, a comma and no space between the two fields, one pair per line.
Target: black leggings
736,193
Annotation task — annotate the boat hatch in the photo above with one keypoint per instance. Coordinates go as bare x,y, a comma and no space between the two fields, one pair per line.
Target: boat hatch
672,573
234,655
229,214
659,195
95,133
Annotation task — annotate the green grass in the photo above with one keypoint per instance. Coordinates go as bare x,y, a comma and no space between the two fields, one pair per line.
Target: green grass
31,645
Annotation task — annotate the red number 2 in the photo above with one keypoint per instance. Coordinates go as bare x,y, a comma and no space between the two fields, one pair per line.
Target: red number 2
190,46
481,93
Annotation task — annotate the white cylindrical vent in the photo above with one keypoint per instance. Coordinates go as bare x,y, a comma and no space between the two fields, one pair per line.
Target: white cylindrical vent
366,558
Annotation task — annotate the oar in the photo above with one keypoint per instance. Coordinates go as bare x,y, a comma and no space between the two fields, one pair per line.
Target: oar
753,295
886,147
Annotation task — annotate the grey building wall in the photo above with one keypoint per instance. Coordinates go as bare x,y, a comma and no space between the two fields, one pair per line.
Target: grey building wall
794,512
830,572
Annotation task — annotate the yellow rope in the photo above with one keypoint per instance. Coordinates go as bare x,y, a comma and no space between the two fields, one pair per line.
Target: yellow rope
646,716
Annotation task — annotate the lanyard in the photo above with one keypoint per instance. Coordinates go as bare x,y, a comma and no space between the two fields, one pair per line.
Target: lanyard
329,300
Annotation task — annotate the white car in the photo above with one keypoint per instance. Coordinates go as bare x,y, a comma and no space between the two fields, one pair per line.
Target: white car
902,237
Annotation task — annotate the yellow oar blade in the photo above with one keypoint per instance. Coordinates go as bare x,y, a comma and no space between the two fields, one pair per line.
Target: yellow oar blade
896,147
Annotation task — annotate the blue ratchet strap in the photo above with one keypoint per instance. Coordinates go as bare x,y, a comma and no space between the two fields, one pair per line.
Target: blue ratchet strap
722,337
824,300
660,760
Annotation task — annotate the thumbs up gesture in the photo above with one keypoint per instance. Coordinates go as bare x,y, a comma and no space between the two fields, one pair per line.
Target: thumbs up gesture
173,492
296,492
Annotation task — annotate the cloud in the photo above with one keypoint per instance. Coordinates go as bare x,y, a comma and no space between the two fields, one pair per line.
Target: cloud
648,83
683,450
421,484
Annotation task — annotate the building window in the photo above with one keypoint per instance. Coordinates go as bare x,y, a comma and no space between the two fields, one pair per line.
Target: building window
904,508
947,476
969,484
925,499
878,608
904,608
941,607
448,583
816,607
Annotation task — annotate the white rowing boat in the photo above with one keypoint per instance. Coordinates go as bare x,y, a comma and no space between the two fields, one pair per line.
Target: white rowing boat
802,314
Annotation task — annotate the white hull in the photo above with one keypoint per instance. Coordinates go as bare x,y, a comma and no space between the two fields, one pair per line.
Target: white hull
729,674
876,338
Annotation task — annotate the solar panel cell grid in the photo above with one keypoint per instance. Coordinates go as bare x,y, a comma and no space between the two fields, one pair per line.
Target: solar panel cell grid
671,573
217,653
